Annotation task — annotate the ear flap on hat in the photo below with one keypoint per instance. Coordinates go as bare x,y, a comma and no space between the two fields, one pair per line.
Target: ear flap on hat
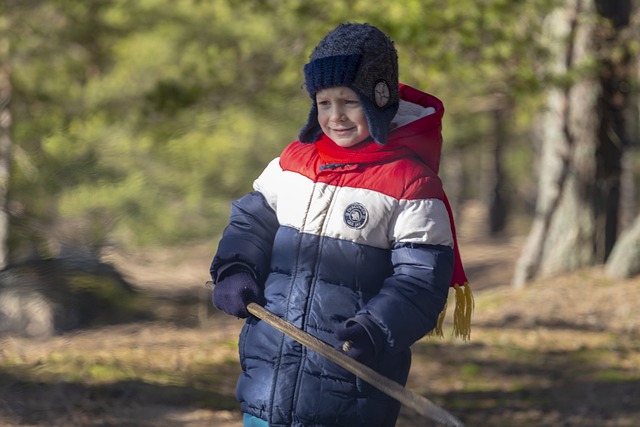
379,120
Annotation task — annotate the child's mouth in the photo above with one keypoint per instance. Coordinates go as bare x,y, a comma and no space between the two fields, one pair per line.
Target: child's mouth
342,131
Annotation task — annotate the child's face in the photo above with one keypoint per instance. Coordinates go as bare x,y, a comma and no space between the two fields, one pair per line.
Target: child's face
341,116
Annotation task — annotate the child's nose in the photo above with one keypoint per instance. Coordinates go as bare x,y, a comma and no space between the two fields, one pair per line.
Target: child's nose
338,115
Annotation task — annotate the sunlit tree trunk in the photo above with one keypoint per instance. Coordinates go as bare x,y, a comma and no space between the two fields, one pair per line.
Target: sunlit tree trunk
577,208
562,229
5,149
628,187
624,261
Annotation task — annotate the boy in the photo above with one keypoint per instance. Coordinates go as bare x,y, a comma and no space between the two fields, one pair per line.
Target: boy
349,236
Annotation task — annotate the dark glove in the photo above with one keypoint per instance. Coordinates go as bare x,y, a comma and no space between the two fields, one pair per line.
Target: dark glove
357,343
233,293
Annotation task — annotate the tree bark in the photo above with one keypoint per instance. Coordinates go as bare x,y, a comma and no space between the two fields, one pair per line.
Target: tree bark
624,261
613,104
498,202
628,187
576,221
561,236
5,151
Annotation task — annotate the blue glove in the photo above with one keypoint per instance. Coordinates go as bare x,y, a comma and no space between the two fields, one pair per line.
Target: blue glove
357,343
233,293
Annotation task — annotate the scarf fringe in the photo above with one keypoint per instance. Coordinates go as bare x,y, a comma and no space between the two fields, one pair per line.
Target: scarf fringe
462,312
438,331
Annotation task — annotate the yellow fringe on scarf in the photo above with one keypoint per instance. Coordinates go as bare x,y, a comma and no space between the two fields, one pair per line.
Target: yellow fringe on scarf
461,314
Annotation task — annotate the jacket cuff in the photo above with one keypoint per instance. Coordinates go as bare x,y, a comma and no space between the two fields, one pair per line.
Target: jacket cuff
373,330
230,269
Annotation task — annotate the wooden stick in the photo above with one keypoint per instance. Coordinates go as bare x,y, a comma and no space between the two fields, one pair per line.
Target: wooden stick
420,404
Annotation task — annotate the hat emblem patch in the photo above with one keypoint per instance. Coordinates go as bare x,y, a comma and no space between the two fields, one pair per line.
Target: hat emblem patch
356,216
381,93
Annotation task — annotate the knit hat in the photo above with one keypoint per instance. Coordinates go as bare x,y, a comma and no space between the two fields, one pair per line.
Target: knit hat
364,59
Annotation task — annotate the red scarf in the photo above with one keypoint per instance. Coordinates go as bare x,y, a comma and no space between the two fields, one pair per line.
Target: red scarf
368,152
365,152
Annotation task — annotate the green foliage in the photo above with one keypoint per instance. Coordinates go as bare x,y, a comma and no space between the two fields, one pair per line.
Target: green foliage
139,121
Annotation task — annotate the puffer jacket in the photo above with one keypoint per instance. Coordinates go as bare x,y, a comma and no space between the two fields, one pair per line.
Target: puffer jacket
336,234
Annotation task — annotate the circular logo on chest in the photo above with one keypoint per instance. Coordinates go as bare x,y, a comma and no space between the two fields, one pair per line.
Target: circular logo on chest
356,215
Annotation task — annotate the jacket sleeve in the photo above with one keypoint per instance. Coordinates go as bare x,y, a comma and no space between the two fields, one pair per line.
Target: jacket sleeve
247,241
248,238
411,299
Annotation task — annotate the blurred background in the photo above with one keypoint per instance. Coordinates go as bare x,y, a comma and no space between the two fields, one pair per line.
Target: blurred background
128,127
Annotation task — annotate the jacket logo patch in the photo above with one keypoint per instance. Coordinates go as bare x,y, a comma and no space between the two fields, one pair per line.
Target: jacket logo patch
356,215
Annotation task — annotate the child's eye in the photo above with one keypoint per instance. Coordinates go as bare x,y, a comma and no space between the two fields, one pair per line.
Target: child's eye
323,103
352,102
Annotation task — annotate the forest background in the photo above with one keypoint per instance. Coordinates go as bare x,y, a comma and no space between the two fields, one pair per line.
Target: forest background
132,123
129,126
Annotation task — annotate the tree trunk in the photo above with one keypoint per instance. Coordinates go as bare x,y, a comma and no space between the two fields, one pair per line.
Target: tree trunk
5,150
628,187
624,261
613,135
498,203
576,222
561,237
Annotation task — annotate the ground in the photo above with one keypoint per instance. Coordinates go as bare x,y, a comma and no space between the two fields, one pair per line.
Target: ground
562,352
